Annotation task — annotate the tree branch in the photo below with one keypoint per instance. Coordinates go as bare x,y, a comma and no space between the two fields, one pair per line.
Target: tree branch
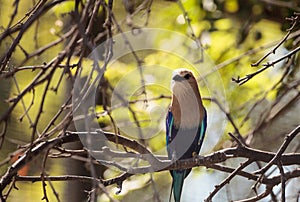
207,161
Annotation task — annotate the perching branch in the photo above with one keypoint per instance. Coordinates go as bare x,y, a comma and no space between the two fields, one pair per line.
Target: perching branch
209,160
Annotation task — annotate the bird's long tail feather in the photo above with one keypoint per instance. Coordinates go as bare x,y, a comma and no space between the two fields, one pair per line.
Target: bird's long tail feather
178,179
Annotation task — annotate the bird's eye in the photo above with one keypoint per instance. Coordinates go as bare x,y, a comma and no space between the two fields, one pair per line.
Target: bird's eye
187,76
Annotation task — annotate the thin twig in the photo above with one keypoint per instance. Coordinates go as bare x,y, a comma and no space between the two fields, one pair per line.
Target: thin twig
281,150
227,180
243,80
278,45
283,180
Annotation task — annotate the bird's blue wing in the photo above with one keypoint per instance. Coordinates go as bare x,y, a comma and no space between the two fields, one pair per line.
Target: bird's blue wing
169,123
201,131
170,132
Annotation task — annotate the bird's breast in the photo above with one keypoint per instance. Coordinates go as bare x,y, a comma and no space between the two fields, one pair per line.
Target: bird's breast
187,113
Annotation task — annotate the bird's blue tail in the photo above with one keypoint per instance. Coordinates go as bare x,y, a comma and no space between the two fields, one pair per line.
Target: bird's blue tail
177,184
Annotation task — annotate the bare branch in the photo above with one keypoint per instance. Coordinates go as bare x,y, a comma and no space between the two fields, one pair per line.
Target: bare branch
281,150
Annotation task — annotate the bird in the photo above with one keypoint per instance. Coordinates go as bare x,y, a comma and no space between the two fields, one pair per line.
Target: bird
186,124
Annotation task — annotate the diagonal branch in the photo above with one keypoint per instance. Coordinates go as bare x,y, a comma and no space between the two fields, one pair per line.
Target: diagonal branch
282,148
227,180
243,80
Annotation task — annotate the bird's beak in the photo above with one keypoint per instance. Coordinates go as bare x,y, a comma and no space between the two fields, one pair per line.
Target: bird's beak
177,78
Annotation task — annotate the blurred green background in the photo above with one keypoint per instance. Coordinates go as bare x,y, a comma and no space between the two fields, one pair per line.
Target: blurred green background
235,34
